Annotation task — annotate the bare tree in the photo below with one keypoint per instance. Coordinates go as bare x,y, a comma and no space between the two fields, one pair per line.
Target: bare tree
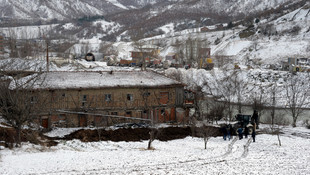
193,51
277,123
20,103
297,93
108,49
259,99
85,48
198,97
273,91
222,89
12,44
139,45
216,110
240,88
152,132
206,132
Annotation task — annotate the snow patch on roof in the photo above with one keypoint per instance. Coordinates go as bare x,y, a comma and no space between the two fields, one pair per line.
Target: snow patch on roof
108,79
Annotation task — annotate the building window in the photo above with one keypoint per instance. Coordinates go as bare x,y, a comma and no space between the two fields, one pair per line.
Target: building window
129,97
107,97
84,100
128,114
33,99
164,98
113,113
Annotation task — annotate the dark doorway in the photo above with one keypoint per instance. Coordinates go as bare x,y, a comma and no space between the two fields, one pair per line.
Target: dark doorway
82,120
44,122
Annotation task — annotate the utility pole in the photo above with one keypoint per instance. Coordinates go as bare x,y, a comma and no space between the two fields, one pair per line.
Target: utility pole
47,61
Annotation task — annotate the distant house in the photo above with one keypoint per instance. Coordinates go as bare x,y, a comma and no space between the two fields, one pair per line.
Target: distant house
78,99
296,64
171,57
219,26
148,52
173,60
204,29
204,55
205,52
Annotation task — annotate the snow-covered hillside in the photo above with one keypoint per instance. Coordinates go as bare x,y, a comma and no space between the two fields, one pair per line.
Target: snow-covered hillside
289,37
232,7
73,9
59,9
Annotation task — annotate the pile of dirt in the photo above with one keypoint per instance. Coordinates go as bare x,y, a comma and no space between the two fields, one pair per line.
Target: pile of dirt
87,135
134,134
8,135
171,133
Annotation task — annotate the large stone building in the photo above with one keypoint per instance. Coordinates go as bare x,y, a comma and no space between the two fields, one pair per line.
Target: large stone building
78,99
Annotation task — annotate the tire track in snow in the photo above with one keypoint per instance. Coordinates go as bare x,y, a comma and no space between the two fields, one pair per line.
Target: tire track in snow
246,148
230,147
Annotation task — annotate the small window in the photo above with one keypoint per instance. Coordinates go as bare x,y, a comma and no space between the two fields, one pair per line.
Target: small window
162,111
63,95
129,97
146,94
107,97
84,100
33,99
113,113
164,98
128,114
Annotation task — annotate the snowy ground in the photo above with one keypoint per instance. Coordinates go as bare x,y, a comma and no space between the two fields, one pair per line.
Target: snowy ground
184,156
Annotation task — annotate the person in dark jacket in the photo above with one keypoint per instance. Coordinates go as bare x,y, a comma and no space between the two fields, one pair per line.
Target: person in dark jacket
232,131
229,131
239,131
224,131
253,135
246,132
255,118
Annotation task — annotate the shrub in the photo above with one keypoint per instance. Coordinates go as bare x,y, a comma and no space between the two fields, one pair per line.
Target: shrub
246,34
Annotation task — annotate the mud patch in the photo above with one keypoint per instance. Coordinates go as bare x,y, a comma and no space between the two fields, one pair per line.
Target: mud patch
136,134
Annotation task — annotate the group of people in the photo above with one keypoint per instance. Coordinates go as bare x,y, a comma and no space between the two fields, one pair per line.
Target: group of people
227,131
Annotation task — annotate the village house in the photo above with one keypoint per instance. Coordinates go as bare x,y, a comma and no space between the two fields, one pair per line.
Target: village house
80,99
173,59
204,29
147,52
296,64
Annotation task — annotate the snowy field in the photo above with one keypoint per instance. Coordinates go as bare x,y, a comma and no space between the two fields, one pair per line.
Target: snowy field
183,156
